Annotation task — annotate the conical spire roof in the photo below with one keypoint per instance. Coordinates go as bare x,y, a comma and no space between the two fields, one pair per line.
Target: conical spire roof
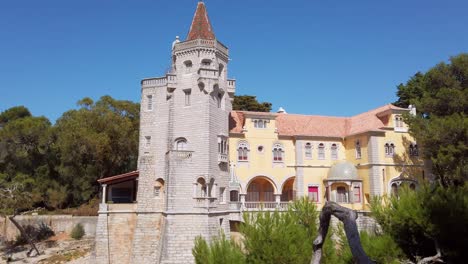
201,26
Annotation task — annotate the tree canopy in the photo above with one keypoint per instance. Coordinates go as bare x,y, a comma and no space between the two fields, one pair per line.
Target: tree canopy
441,97
250,103
59,164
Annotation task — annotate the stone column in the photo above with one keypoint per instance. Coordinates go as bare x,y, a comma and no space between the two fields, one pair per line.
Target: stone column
104,192
278,199
242,200
299,181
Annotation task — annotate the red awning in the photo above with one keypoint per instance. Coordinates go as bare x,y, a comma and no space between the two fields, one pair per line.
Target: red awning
119,178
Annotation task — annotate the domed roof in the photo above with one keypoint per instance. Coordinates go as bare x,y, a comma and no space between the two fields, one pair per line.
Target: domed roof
343,171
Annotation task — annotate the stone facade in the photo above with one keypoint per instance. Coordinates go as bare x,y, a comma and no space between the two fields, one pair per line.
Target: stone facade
183,176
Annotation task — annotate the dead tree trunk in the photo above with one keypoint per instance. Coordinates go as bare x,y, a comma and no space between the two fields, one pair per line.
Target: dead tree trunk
348,217
24,234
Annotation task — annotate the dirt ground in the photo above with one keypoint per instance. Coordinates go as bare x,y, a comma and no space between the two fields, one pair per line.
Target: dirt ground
55,250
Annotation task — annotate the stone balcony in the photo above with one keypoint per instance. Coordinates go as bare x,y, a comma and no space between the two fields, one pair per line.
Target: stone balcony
231,86
222,158
169,79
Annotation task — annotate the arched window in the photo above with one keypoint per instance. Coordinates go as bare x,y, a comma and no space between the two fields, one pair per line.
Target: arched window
202,190
334,152
389,149
398,121
321,151
181,144
278,153
220,70
341,195
358,149
413,150
243,151
188,65
308,150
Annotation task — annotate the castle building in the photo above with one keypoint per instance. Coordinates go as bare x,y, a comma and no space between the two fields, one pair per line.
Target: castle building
201,164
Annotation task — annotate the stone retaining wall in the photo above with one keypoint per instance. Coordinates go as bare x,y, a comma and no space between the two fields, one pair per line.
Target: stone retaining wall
58,223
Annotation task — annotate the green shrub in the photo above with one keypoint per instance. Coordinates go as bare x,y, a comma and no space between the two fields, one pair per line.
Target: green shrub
77,231
416,219
280,237
220,250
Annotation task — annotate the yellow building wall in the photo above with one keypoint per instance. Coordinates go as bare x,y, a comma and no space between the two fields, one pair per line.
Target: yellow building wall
315,171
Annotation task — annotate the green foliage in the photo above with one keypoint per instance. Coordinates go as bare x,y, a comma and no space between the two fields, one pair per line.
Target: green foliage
418,219
250,103
36,233
100,139
59,165
77,232
441,127
280,237
220,250
14,113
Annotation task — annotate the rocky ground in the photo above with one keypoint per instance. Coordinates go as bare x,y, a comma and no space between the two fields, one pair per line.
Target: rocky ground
55,250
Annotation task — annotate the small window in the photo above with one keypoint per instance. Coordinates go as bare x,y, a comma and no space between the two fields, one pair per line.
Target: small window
260,123
181,144
201,188
147,141
234,196
389,149
321,151
222,145
413,150
206,62
243,151
341,195
398,121
187,97
313,194
334,152
308,150
149,105
358,149
188,66
357,194
278,153
260,149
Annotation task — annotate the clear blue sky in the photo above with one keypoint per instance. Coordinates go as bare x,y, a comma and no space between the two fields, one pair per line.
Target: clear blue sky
309,56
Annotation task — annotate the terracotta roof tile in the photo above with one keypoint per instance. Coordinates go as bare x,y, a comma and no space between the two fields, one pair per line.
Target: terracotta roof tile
320,126
201,26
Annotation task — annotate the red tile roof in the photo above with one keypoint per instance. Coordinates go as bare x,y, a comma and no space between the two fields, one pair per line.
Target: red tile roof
321,126
201,26
120,177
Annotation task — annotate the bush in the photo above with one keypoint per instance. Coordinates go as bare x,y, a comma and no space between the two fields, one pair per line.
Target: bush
281,237
417,219
77,231
39,233
220,250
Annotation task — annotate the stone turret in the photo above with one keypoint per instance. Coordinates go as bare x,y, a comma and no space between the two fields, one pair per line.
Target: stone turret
184,178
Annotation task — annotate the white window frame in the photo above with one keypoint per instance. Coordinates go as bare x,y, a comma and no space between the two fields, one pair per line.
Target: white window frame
358,149
321,151
243,148
334,151
188,94
278,153
308,150
318,192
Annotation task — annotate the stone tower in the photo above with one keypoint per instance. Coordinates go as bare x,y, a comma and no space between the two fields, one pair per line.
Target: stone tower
183,166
